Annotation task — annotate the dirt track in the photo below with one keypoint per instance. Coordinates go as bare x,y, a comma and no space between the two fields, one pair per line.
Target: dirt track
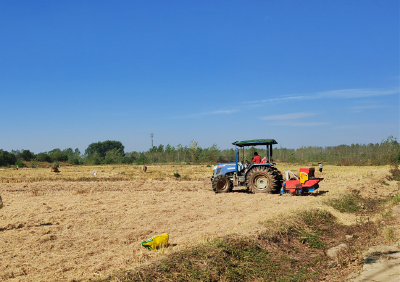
75,230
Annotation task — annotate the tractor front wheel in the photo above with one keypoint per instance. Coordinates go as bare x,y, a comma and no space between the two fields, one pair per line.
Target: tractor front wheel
261,180
222,184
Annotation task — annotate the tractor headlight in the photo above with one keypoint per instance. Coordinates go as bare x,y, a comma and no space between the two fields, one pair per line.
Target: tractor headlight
217,169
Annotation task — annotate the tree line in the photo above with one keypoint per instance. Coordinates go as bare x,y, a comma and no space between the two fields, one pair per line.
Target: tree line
113,152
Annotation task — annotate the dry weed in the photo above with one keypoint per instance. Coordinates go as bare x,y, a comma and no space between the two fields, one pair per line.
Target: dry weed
80,191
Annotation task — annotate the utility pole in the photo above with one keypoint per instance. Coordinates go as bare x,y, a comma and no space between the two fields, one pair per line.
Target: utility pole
151,136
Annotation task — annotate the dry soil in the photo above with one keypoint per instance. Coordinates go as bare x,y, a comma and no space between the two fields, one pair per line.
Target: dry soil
79,227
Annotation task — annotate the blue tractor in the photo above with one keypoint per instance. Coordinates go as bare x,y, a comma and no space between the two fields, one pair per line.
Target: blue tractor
263,177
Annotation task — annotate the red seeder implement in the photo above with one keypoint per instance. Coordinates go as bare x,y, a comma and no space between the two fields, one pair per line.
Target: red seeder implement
300,185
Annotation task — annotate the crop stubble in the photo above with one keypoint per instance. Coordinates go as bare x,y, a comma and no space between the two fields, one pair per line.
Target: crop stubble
66,229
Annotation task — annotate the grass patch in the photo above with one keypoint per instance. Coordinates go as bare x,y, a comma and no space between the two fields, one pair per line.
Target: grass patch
309,226
387,213
316,217
395,200
354,203
390,234
312,239
388,204
347,203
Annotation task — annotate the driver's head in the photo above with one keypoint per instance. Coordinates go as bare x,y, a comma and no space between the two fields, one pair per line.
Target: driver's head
255,154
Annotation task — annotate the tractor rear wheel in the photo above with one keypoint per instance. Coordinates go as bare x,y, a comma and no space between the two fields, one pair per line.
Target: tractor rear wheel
222,184
263,179
278,179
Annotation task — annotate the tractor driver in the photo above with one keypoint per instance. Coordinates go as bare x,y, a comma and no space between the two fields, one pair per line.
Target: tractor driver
257,158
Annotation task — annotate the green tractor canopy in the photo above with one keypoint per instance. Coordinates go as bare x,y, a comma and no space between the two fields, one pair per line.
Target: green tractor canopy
255,142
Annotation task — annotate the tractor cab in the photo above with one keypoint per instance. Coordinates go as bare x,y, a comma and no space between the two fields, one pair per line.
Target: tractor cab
262,177
241,165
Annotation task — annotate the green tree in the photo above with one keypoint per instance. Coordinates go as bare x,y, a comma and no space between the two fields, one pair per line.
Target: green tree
74,156
130,158
43,157
58,155
19,163
101,148
169,153
179,150
27,155
213,153
160,149
114,156
141,160
7,158
95,159
194,146
69,152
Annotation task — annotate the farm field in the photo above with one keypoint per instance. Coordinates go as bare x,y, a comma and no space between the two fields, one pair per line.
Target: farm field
75,226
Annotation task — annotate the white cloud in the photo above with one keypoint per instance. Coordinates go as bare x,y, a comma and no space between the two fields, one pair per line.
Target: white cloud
368,107
363,126
350,126
289,116
333,94
358,126
359,109
220,112
356,93
209,113
301,123
286,98
291,119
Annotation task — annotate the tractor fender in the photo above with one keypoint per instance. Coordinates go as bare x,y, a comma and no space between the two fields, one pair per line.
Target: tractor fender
252,167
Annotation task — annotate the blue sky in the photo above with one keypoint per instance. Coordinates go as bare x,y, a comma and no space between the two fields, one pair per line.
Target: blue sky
306,73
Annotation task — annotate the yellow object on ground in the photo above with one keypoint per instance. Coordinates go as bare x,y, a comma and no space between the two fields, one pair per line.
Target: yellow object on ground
156,241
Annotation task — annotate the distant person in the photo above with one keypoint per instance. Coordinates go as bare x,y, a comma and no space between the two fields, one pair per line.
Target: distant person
320,167
257,158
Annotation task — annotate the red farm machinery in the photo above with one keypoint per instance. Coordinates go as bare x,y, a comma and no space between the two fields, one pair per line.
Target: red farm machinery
300,185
